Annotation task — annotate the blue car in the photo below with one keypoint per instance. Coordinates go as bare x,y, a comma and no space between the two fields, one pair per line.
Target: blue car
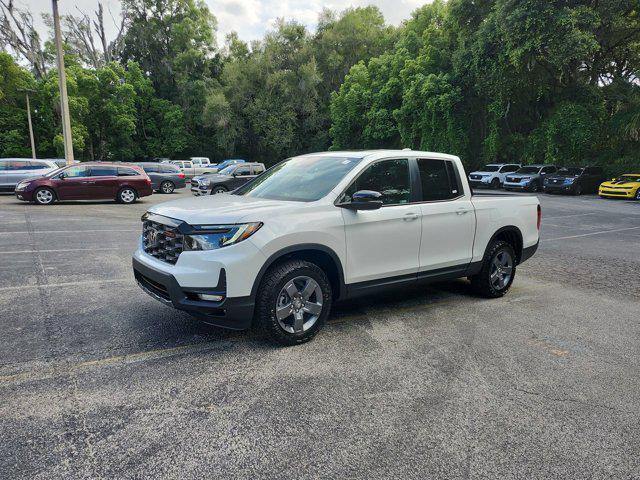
226,163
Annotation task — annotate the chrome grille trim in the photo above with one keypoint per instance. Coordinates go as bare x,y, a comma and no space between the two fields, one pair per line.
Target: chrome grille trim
161,241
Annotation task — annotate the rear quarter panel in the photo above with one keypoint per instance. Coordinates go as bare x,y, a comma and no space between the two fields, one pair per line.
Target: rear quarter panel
496,212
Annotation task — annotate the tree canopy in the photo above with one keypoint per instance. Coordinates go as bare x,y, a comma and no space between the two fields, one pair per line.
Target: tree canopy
488,80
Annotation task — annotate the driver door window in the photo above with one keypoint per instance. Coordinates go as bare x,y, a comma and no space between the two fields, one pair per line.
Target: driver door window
389,177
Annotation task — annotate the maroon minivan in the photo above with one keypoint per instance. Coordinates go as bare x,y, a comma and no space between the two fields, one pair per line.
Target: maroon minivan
87,181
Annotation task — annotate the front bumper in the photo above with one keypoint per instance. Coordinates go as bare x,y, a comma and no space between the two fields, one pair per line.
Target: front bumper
516,186
24,195
616,193
559,187
232,313
479,183
199,190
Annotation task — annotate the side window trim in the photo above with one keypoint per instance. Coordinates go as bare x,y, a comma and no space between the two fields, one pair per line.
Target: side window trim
460,186
369,165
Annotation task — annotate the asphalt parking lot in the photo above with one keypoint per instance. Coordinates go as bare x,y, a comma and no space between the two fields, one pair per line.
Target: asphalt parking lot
99,380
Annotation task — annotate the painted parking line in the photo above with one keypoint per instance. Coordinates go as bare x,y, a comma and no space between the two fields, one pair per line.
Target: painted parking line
590,234
17,252
568,216
68,284
73,232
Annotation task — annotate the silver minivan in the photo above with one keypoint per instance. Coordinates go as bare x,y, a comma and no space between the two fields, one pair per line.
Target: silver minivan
14,170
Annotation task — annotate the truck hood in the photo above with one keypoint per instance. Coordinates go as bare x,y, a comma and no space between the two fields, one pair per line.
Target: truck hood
221,209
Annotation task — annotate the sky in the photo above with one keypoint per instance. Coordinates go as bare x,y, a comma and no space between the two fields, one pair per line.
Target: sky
250,18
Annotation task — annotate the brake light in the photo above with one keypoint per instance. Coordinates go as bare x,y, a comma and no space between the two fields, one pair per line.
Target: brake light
181,175
539,216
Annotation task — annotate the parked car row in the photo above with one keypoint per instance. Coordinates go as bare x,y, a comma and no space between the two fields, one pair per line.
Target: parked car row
227,179
551,179
203,166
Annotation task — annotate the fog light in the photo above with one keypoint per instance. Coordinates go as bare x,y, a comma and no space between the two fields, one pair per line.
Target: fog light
210,298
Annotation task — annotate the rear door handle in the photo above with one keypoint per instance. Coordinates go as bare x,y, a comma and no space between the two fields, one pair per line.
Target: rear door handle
410,216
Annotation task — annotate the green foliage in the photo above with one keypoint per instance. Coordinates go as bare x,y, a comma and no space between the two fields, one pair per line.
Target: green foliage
510,80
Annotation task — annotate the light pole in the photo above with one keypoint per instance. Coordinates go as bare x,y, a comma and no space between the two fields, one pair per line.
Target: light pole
33,142
62,80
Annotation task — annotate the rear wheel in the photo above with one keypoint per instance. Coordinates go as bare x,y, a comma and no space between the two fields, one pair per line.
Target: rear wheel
44,196
127,195
293,302
218,189
167,187
498,271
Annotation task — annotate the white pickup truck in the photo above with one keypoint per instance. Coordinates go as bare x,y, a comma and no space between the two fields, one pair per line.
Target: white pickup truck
325,227
194,166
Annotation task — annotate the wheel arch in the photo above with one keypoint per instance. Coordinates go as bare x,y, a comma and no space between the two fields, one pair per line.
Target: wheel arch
510,234
319,254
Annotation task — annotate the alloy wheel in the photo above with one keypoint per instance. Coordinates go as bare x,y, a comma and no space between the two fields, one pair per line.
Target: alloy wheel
299,304
501,270
127,195
166,187
219,190
44,196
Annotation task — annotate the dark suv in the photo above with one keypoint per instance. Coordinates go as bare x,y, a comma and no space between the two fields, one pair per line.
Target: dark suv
574,180
165,177
122,182
229,178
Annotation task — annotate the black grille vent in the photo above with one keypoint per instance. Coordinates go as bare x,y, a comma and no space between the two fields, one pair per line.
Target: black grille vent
162,241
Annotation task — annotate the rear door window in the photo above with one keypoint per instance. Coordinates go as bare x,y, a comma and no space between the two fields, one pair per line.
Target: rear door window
127,172
100,171
438,179
243,171
19,165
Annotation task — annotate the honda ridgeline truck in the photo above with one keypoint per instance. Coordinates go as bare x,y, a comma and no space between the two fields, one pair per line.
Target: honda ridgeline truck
325,227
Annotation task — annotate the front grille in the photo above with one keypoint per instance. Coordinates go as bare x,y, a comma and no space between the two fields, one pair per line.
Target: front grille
513,179
614,192
161,241
153,286
476,177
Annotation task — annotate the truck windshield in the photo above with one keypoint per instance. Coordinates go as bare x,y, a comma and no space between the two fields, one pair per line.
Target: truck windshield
490,168
302,179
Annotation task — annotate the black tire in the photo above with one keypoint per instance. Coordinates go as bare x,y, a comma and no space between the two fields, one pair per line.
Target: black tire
167,187
127,195
44,196
534,187
271,287
638,194
495,183
482,282
218,189
577,190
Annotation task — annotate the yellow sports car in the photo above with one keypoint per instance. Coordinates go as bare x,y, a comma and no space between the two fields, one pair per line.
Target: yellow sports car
624,186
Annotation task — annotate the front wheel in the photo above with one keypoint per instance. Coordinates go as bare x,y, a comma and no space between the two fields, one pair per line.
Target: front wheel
167,187
218,189
638,194
127,195
534,187
44,196
577,190
498,271
495,183
293,302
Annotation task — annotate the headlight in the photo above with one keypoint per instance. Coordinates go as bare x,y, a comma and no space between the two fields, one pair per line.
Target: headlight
218,236
569,180
21,186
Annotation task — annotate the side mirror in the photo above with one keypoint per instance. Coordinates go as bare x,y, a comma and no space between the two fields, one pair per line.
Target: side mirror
62,176
364,200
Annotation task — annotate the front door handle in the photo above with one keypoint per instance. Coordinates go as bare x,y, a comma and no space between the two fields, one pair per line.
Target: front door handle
462,211
411,216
